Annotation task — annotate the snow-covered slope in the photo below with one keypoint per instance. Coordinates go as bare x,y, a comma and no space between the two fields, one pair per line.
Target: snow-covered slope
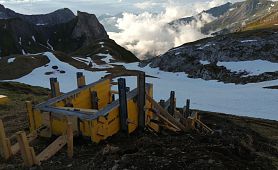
247,100
65,73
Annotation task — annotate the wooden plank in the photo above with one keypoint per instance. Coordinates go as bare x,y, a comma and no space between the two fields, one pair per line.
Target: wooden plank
166,121
31,137
114,92
24,149
165,114
52,149
141,102
90,111
204,126
123,104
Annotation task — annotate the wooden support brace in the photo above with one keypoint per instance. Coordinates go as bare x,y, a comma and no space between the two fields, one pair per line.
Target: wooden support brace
165,114
27,152
52,149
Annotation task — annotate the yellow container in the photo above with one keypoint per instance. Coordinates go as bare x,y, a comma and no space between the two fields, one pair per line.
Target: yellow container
4,99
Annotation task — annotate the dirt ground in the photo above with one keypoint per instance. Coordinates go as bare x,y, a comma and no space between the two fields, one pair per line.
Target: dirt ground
238,143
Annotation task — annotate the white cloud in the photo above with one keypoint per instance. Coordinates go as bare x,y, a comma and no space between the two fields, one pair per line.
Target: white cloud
149,34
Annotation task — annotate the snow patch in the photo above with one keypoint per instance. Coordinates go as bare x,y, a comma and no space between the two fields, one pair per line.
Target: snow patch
38,76
49,45
204,62
247,41
11,60
33,38
255,67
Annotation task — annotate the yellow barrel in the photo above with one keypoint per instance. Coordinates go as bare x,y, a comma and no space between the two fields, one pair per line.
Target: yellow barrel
4,99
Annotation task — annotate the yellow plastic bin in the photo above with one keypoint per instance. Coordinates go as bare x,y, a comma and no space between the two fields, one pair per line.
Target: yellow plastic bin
3,99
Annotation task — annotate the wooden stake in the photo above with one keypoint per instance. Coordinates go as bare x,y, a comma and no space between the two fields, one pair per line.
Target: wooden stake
5,144
123,105
81,82
30,116
141,102
25,149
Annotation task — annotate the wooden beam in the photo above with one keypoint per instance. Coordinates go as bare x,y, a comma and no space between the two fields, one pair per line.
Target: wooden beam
165,114
90,111
141,101
29,107
114,92
52,149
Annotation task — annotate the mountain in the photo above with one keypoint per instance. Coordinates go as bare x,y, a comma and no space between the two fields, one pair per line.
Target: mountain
271,20
231,17
215,12
243,57
56,17
20,34
242,14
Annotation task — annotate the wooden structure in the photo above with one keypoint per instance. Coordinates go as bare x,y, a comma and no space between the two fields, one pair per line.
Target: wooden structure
92,111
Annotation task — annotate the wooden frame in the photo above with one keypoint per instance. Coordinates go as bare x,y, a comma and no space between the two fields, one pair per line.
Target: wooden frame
28,154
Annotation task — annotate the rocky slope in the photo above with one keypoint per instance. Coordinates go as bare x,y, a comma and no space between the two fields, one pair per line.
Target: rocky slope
244,46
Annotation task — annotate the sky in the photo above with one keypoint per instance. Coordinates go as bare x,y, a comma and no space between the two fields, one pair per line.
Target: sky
99,7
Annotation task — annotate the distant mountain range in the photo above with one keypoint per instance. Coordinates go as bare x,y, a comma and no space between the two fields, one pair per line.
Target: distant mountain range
233,17
60,30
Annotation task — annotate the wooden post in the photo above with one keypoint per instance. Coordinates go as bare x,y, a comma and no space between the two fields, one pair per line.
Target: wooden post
172,107
81,82
123,105
5,144
27,152
94,99
187,110
29,107
141,83
55,88
162,103
70,140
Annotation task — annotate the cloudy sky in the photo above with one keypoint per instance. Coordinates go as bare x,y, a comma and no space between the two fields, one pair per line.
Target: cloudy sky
107,6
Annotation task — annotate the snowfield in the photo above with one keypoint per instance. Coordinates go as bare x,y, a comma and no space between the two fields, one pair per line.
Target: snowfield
244,100
255,67
67,80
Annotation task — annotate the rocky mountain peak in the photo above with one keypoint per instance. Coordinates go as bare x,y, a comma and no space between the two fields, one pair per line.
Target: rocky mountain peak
88,27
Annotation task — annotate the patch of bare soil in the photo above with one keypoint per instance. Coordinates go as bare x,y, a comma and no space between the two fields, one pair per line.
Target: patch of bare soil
21,66
238,143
